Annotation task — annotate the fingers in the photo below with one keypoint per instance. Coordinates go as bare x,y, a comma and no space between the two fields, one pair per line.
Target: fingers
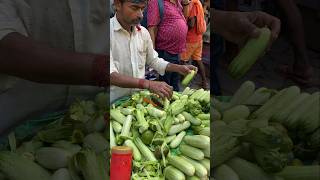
275,29
191,67
195,68
165,93
184,69
262,19
248,28
168,90
168,86
160,94
273,23
163,90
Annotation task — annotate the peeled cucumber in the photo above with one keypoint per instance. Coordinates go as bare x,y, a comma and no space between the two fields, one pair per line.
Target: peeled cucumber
188,78
249,54
224,172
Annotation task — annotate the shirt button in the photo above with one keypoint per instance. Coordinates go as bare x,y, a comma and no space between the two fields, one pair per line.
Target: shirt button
141,66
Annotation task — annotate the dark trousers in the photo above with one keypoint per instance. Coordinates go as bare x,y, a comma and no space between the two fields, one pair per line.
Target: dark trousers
171,78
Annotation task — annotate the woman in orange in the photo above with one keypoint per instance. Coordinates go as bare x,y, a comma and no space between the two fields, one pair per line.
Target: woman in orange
196,29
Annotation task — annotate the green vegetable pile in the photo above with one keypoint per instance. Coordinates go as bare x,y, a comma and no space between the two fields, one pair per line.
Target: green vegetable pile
74,147
266,134
170,140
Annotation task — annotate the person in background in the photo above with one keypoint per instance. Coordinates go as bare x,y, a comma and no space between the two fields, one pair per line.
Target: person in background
206,8
301,71
197,27
169,34
131,49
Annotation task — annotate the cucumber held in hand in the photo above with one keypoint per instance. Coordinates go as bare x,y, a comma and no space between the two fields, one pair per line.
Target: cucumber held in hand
188,78
249,54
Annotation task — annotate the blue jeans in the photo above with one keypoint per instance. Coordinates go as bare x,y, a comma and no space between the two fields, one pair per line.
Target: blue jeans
171,78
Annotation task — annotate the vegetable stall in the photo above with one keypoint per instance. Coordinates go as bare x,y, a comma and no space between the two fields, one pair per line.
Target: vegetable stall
170,139
261,133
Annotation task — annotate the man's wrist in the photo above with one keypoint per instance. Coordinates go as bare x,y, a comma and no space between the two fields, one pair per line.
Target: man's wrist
143,84
173,67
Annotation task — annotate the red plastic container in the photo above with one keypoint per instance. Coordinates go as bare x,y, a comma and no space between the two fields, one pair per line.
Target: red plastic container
121,163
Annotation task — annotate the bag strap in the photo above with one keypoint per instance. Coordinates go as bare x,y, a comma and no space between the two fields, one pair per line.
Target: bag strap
161,8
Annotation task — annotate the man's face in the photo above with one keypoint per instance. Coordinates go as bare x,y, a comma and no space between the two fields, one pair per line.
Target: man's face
131,13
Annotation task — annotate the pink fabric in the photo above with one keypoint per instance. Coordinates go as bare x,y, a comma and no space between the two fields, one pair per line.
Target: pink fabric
173,29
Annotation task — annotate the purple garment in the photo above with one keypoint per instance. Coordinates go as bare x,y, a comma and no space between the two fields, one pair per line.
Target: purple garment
173,29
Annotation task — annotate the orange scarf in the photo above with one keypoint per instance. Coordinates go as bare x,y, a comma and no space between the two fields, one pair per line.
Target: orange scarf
199,13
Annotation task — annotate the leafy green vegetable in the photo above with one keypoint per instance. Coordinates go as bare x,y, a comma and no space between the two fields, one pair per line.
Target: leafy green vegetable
271,160
194,107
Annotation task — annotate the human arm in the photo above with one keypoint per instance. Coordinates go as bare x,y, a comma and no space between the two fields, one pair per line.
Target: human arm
157,87
186,8
181,69
125,81
26,58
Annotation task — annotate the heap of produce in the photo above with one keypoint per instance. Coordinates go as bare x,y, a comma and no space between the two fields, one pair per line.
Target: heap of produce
170,138
74,147
266,134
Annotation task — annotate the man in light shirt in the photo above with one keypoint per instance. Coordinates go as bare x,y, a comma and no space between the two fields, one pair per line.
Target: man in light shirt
51,52
131,50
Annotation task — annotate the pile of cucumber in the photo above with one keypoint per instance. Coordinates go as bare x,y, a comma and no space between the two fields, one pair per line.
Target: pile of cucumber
262,133
170,139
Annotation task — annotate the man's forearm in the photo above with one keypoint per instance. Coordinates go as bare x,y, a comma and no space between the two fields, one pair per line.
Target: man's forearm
172,67
124,81
25,58
217,19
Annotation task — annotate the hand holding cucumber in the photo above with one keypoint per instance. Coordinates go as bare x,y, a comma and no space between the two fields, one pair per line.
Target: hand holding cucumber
181,69
186,69
238,27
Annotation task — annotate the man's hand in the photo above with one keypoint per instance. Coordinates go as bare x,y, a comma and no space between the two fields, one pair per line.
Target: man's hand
160,88
237,27
181,69
186,69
